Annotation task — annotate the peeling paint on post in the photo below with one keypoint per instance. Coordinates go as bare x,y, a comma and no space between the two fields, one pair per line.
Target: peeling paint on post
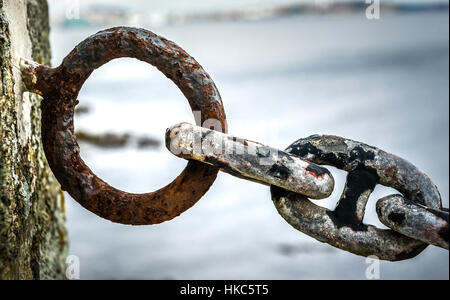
33,238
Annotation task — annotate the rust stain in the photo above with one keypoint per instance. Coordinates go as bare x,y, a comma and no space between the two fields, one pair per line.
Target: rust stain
60,87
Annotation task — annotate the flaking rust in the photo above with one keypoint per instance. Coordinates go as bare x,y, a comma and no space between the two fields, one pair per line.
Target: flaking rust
343,228
60,87
249,160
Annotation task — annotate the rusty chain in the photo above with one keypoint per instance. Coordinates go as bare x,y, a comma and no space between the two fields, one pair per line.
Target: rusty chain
415,216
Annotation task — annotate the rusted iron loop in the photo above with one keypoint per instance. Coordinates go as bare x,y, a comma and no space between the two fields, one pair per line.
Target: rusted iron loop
367,166
60,87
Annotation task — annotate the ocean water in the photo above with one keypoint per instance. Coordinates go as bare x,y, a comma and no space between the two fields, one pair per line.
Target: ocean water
382,82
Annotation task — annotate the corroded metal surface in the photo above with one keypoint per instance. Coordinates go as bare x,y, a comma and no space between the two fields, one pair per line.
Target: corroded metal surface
60,87
414,220
343,227
416,216
249,160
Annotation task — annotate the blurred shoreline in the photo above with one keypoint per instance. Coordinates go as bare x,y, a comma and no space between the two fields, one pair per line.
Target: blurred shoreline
95,14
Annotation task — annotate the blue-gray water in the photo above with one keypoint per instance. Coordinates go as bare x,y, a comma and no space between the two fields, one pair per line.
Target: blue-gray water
383,82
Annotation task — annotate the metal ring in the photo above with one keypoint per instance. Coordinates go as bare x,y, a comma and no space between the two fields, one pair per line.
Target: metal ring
60,87
343,228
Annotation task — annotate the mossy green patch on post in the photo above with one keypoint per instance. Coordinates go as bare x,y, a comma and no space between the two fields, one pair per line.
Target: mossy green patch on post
33,236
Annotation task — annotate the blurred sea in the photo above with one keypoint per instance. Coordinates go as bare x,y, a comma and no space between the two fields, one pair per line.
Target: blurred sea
383,82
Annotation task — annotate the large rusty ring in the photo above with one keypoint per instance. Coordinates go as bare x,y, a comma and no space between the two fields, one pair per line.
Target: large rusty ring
367,166
60,87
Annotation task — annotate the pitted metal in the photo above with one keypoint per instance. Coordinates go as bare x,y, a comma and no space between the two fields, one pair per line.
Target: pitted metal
343,227
60,87
249,160
414,220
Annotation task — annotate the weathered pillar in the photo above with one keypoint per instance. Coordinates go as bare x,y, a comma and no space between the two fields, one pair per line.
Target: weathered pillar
33,237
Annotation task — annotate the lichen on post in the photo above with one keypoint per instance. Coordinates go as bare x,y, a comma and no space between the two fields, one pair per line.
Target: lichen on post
33,237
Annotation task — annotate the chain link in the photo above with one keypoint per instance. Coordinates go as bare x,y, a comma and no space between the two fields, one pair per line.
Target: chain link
414,220
249,160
